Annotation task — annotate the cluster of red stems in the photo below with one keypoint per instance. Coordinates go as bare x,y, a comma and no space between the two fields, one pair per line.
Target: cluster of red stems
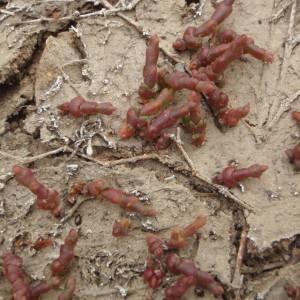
79,107
293,292
159,263
151,122
22,290
49,199
157,92
231,175
100,189
294,154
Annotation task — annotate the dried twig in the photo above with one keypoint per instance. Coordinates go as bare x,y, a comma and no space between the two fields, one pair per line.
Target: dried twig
7,12
284,106
69,214
217,189
237,278
76,16
116,291
134,159
109,164
49,1
26,160
109,10
179,144
263,268
132,4
76,61
278,107
67,79
251,130
213,187
214,114
141,30
275,17
289,42
122,161
7,155
152,156
43,155
223,191
295,41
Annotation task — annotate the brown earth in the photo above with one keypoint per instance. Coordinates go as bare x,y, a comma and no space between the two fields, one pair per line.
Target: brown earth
43,64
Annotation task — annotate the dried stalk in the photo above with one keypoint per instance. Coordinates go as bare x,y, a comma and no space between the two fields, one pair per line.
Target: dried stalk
109,10
102,12
206,182
27,160
289,41
284,106
7,12
237,278
275,17
152,156
179,144
134,159
116,291
278,107
140,30
214,188
69,214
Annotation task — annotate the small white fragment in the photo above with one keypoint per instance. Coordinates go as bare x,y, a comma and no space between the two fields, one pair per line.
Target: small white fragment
54,122
105,253
242,187
6,177
105,81
55,86
172,177
72,169
123,291
76,30
89,231
148,226
86,72
143,197
105,90
260,296
89,148
2,210
76,14
42,108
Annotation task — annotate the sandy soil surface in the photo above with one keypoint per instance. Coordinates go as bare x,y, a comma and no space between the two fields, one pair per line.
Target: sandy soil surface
43,64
